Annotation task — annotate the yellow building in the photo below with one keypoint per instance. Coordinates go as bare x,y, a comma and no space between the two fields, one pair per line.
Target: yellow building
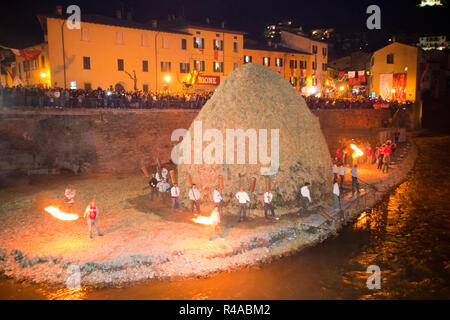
293,65
394,72
35,73
115,52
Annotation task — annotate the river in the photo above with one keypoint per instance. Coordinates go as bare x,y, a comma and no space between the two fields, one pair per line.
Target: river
407,235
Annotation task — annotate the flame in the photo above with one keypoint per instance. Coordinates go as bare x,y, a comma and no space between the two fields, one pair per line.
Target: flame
61,215
203,220
358,152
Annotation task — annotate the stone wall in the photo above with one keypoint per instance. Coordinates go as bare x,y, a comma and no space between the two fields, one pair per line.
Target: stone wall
101,140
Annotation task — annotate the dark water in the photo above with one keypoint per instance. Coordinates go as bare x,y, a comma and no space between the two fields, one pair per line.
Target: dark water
407,235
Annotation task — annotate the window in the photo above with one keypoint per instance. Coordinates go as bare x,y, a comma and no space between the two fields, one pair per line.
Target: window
302,64
42,61
266,61
120,64
247,59
293,81
314,65
235,46
218,66
165,43
293,64
183,44
199,65
145,87
87,86
87,63
184,67
279,62
390,58
119,37
302,81
165,66
314,49
145,66
324,52
84,34
218,45
144,40
324,67
199,43
235,65
26,66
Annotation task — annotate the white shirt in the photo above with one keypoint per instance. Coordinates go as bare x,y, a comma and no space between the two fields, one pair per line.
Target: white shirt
335,168
242,197
268,196
162,187
305,192
158,177
175,192
194,194
164,172
215,217
342,170
354,172
336,189
217,197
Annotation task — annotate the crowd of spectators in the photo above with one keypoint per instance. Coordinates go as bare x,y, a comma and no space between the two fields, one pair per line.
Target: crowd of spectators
110,98
121,99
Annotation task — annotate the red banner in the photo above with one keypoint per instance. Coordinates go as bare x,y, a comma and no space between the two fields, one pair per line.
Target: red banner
208,80
399,85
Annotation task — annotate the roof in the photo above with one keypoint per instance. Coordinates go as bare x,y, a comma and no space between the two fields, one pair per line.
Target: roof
181,23
278,48
306,37
109,21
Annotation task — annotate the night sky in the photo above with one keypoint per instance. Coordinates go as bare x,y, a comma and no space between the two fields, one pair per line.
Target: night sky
19,26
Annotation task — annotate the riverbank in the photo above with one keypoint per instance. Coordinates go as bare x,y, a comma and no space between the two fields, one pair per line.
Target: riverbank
143,240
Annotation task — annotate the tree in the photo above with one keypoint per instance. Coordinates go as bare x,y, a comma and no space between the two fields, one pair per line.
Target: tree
134,78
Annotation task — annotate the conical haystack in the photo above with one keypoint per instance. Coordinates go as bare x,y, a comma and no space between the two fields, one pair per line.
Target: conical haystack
256,97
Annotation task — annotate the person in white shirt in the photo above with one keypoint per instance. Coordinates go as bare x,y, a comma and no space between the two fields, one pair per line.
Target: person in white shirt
243,198
336,194
306,195
218,200
341,173
164,172
175,194
91,213
194,196
355,183
158,177
162,187
335,171
268,197
215,215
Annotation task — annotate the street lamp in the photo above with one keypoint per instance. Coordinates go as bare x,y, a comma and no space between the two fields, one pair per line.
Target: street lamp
167,78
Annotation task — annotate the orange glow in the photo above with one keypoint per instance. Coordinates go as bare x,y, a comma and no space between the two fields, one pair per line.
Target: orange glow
357,153
61,215
203,220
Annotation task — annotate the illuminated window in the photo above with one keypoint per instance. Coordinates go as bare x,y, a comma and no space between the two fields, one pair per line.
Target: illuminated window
279,62
218,45
184,67
199,65
247,59
199,43
266,61
165,66
218,66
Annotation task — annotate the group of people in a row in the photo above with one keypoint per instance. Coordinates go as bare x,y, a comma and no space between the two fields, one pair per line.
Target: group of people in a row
99,98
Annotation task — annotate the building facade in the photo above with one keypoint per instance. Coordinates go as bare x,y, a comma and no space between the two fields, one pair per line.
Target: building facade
120,53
